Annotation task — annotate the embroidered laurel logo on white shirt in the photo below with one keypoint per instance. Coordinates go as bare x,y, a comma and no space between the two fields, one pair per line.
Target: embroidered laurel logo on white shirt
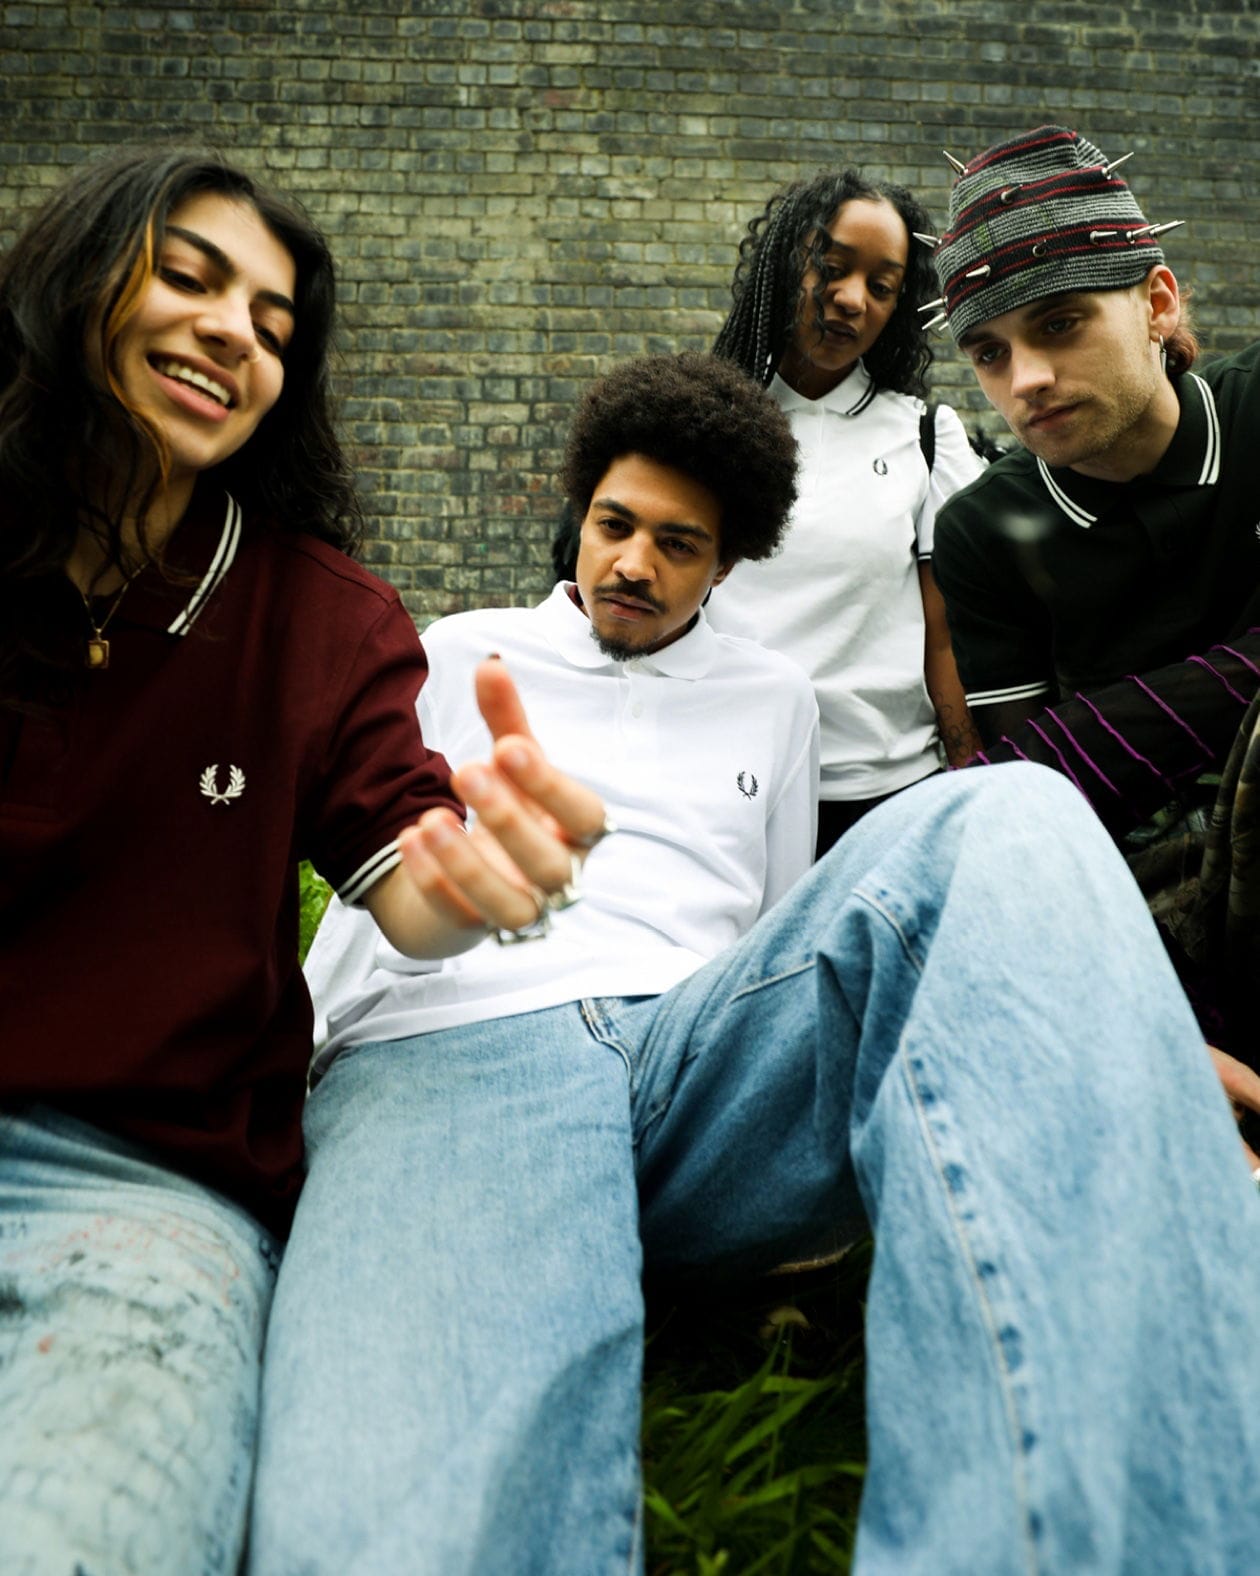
210,784
747,785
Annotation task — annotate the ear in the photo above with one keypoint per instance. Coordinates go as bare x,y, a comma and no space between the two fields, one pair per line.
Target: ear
723,571
1163,299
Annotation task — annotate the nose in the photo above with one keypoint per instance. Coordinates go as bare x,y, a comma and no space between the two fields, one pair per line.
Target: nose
848,293
635,558
1031,371
226,320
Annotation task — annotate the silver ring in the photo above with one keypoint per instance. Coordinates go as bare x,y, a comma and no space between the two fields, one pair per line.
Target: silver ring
535,930
593,839
570,892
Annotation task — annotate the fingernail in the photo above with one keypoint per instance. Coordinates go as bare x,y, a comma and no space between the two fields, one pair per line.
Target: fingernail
494,657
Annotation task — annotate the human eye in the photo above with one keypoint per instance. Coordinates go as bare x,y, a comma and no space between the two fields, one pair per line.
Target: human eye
1060,323
679,545
987,354
268,336
179,278
882,291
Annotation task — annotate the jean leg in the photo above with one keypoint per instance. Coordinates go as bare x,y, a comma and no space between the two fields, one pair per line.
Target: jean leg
454,1358
132,1305
964,1009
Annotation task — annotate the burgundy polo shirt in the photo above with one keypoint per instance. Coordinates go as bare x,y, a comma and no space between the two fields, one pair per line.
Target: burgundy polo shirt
258,709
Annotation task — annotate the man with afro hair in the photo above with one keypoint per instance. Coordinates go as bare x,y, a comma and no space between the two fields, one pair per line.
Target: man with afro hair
720,1059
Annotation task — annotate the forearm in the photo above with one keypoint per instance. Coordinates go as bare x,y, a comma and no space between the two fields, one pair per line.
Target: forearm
954,721
417,925
1134,745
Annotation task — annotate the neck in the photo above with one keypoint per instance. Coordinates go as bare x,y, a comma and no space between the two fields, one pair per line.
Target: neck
1140,449
804,378
98,566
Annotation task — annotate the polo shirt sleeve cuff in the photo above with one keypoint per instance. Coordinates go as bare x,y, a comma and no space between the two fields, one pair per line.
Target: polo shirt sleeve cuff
369,873
996,697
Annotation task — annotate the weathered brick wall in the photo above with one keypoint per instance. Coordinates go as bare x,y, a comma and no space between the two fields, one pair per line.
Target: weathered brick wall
521,191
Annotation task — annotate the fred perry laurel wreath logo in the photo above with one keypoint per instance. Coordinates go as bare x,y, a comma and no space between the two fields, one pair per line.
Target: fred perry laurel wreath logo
210,784
747,785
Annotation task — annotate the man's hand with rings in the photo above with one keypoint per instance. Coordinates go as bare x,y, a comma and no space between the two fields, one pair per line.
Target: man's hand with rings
521,860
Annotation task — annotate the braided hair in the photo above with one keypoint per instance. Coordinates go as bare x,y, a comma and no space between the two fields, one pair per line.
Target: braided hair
777,250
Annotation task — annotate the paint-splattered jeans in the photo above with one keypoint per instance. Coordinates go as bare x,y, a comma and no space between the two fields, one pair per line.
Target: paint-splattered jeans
959,1026
132,1309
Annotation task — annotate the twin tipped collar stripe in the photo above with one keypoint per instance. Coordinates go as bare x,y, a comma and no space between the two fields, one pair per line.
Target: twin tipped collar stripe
1074,511
229,541
1212,453
1016,692
369,872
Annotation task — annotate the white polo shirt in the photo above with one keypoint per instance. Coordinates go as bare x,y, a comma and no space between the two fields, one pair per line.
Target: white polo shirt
706,755
842,597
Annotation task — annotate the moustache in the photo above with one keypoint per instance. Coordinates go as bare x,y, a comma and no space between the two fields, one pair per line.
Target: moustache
632,592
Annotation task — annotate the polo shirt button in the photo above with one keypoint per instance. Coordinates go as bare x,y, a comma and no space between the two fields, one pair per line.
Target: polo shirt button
637,709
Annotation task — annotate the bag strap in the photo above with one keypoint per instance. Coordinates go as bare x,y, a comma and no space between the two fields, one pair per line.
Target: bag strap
927,435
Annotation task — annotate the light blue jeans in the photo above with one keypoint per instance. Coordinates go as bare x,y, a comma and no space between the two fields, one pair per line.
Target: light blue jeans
960,1028
132,1308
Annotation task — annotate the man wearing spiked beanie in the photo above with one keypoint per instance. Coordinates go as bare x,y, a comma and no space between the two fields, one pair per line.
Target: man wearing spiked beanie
1102,581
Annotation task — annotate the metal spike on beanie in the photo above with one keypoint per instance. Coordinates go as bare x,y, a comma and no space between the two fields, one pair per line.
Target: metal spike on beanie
1039,215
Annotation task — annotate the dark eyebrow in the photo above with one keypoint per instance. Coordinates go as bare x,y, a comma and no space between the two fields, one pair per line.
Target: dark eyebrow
677,527
224,263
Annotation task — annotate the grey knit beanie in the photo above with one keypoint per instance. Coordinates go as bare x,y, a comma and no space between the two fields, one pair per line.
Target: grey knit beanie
1036,216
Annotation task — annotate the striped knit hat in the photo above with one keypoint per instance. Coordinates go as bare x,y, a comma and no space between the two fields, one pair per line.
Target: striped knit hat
1038,215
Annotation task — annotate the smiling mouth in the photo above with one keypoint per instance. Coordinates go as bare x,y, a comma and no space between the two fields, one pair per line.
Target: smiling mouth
179,373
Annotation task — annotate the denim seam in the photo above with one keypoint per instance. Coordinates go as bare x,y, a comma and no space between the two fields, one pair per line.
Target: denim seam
987,1312
601,1028
774,979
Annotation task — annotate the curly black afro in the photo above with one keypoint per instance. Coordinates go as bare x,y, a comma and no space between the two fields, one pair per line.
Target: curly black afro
700,415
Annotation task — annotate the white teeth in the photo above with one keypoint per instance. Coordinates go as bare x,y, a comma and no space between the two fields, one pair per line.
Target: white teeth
198,380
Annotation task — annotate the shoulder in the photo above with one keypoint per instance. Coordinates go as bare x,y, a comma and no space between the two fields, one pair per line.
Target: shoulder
482,630
1011,479
1234,380
308,569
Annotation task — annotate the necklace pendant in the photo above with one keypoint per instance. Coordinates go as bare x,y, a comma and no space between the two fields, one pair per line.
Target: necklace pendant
97,652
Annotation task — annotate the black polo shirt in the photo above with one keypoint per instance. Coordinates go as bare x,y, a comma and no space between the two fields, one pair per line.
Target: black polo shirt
1056,583
258,709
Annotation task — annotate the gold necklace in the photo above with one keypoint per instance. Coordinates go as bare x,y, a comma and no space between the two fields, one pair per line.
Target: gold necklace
97,646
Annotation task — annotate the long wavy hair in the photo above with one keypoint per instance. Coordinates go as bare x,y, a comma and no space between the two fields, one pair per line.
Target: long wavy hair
777,250
75,276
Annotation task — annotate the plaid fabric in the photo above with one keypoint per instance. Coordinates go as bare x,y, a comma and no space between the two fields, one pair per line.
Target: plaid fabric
1201,879
1036,216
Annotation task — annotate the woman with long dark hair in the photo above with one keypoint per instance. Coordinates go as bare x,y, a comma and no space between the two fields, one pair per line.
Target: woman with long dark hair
826,314
198,688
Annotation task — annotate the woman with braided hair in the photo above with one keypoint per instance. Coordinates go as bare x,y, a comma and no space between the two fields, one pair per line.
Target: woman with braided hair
825,314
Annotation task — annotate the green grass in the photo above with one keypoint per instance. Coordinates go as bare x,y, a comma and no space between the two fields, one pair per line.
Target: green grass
753,1436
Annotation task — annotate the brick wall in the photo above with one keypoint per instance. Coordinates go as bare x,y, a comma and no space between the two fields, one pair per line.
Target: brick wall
521,191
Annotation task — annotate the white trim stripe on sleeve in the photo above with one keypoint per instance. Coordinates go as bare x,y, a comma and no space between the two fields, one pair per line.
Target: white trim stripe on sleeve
1016,692
370,872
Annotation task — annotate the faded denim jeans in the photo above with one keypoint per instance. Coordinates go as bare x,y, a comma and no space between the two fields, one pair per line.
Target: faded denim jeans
132,1309
959,1028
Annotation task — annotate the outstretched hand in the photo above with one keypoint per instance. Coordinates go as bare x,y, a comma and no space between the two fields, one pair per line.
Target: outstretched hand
1242,1089
531,821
